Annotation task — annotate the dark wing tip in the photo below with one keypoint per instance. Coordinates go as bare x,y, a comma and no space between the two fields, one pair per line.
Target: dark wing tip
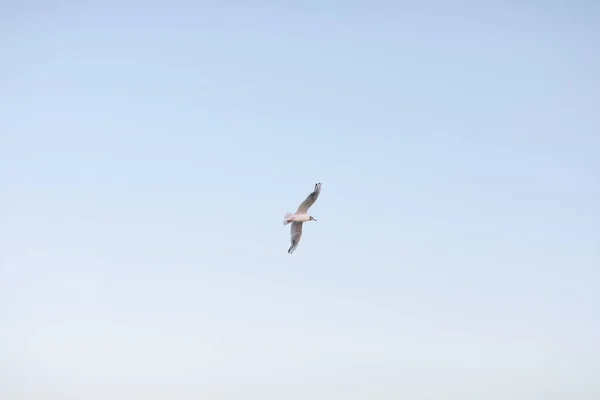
317,188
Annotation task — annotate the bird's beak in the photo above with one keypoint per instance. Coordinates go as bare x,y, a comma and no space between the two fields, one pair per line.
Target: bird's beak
314,219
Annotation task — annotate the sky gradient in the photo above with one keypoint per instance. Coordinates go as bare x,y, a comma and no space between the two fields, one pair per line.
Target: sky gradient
149,150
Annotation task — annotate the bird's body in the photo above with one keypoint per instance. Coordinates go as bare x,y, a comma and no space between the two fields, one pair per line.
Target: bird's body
300,217
289,218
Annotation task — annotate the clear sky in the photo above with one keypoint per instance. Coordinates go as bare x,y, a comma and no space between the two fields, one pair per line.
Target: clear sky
149,150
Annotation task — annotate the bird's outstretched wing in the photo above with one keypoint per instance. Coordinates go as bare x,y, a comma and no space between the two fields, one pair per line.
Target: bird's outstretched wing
296,234
310,200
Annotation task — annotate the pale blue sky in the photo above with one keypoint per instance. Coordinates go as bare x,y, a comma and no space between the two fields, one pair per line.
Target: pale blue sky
149,150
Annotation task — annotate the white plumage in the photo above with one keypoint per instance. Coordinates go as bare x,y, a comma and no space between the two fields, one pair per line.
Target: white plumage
300,217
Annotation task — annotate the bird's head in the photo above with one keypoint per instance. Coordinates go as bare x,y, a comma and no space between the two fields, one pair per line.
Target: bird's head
312,218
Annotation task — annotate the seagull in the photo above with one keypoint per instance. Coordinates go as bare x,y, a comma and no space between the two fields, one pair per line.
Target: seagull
300,217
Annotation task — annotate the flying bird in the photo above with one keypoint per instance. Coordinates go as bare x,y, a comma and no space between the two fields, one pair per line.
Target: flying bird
300,217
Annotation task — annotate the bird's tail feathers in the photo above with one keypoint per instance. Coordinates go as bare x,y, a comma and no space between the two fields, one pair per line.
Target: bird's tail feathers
287,217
